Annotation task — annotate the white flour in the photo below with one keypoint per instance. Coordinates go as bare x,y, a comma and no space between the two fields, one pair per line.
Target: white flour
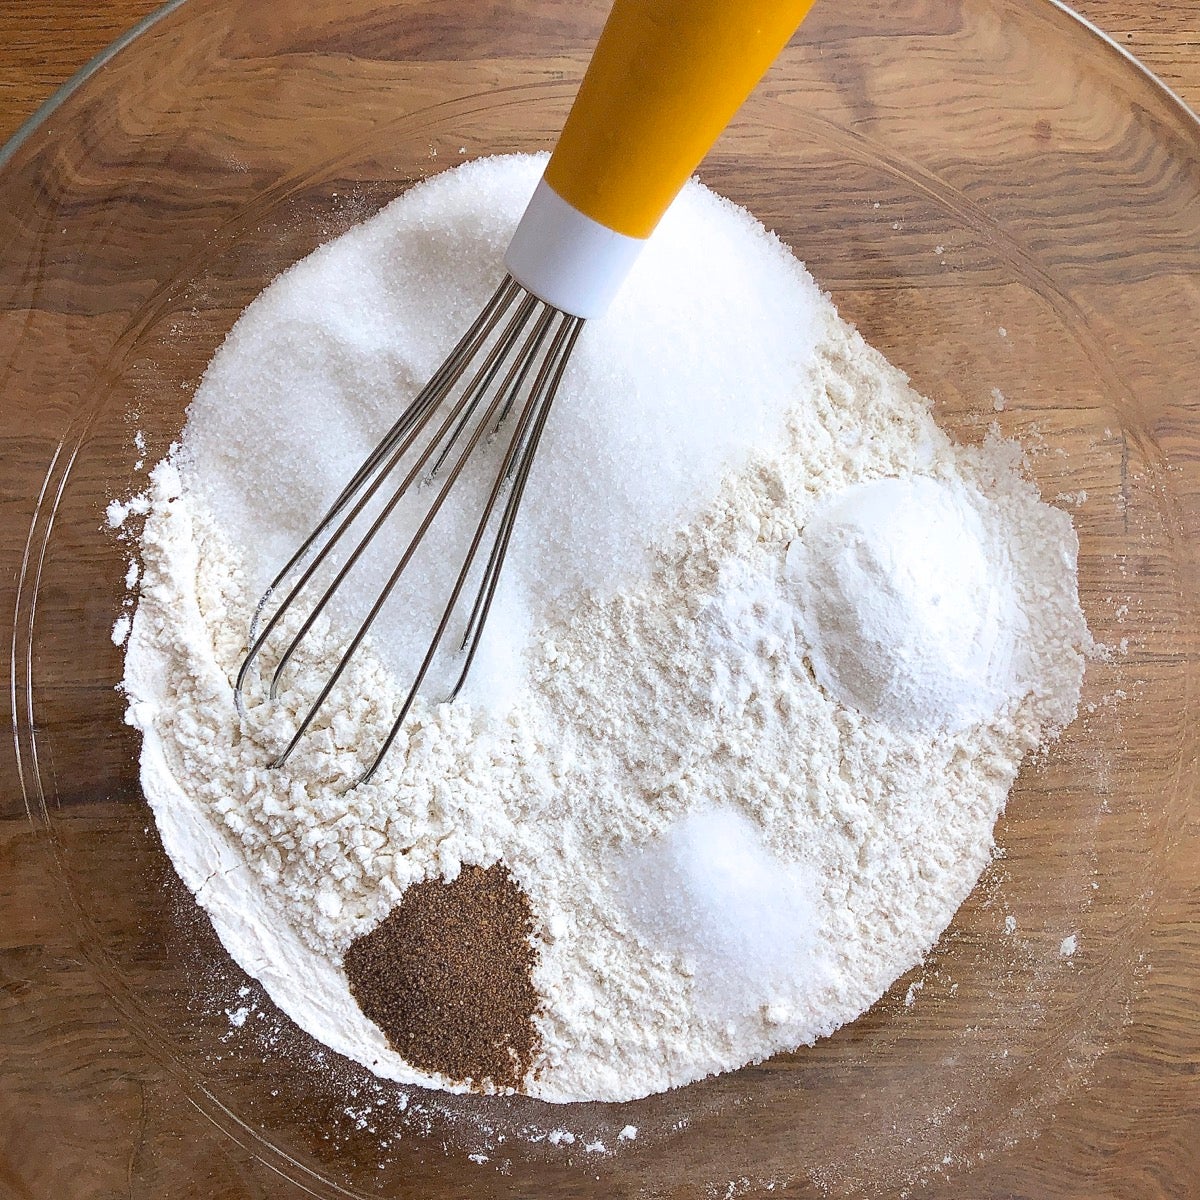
680,684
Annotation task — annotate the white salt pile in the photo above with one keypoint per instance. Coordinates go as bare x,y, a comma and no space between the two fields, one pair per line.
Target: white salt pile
712,890
646,422
752,703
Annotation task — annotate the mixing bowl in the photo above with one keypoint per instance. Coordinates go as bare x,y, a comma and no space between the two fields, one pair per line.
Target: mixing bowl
1007,206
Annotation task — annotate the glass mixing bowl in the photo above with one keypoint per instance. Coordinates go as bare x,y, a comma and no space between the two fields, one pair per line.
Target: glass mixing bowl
1007,206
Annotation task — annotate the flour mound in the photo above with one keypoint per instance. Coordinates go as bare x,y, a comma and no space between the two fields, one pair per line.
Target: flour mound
674,707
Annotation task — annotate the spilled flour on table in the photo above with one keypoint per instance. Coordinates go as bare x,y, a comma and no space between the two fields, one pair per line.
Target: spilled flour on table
742,750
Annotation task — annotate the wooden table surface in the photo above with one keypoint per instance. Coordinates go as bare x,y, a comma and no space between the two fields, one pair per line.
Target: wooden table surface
42,43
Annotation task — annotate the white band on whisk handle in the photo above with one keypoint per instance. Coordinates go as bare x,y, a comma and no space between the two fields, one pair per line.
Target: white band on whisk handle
566,258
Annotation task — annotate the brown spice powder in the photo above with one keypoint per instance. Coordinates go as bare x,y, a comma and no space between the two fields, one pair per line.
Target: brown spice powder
448,976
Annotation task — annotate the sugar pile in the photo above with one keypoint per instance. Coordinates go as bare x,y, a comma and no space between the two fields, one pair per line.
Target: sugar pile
685,715
646,422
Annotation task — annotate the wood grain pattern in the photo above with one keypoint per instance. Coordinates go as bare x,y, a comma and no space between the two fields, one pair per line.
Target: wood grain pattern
44,42
245,133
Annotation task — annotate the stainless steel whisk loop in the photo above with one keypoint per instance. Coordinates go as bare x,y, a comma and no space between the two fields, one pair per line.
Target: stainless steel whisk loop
665,78
534,342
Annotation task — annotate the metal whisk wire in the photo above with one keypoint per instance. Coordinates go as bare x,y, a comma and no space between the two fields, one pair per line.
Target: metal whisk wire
543,338
630,142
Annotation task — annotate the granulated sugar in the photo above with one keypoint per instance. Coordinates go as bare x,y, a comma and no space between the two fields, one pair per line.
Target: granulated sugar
692,687
647,419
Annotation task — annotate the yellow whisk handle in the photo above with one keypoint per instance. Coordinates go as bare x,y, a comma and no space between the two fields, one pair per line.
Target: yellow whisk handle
665,79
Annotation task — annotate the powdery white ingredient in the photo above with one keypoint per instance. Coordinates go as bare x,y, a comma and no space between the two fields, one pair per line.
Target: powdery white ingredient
908,605
118,511
237,1016
684,687
1069,946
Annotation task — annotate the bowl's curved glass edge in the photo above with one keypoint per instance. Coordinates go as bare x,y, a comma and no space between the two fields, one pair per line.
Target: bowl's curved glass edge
52,102
81,77
48,106
1130,58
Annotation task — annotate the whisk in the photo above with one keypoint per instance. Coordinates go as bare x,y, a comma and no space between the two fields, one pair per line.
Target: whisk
664,80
